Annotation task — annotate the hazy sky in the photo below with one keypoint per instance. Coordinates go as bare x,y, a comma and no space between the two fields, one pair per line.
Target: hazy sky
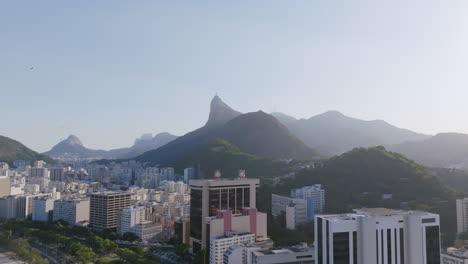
109,71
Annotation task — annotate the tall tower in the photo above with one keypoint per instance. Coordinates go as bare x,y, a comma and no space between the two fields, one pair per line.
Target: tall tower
209,196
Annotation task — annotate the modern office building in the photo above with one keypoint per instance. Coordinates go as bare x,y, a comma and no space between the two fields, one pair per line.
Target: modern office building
378,236
209,196
218,245
42,209
295,210
105,207
462,215
73,211
314,194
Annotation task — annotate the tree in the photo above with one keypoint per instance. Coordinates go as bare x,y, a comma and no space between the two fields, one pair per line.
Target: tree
128,236
85,255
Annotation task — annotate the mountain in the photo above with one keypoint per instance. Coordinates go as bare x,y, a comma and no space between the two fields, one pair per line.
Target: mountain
220,113
72,148
334,133
254,133
222,155
445,150
11,150
263,135
143,144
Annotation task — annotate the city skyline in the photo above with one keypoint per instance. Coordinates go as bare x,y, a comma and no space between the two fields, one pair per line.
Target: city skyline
115,71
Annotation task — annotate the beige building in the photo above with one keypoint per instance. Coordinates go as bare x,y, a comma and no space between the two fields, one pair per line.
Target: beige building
105,207
5,186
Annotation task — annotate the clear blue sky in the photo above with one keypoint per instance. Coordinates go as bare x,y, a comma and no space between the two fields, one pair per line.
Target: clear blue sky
108,71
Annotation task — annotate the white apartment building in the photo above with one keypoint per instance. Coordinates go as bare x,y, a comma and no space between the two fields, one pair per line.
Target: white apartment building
129,218
75,211
295,210
454,256
462,215
378,236
219,245
132,220
313,192
42,209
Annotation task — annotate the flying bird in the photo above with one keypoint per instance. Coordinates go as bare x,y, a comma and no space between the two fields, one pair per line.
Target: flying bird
31,68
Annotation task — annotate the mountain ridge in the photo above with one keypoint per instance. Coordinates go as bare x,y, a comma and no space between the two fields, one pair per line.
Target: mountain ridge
72,148
11,150
334,133
228,124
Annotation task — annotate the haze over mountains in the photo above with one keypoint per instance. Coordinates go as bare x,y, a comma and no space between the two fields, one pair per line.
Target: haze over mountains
276,136
72,148
334,133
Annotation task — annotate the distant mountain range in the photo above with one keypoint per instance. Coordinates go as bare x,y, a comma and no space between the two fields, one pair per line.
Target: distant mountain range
444,150
11,150
333,133
73,149
255,133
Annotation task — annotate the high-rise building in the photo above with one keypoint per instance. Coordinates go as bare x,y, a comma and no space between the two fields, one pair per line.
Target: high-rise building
132,220
377,236
73,211
295,210
219,245
57,174
182,231
105,207
42,209
314,194
209,196
189,174
462,215
39,163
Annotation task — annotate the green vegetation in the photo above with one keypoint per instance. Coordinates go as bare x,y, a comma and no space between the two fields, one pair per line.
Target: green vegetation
11,150
79,243
220,154
358,179
21,248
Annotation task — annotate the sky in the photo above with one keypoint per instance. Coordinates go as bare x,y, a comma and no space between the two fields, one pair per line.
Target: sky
109,71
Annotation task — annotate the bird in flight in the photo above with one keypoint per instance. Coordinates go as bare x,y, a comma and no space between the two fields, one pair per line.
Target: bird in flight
31,68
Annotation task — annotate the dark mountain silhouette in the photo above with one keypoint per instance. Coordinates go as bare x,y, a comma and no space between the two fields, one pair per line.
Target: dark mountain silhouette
254,133
72,148
220,113
442,150
11,150
334,133
263,135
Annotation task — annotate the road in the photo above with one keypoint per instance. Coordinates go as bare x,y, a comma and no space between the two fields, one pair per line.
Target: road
8,258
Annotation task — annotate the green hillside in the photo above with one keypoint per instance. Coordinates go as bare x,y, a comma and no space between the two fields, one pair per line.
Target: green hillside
11,150
359,178
220,154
